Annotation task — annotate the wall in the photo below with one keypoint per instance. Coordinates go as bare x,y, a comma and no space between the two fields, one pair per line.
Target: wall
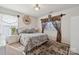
65,22
33,24
0,26
75,34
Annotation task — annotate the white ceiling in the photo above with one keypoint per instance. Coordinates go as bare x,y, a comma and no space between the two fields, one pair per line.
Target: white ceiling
28,9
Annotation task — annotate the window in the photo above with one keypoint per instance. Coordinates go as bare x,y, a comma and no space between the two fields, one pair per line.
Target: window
6,24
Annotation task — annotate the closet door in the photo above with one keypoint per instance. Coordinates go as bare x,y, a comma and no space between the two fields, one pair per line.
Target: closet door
74,34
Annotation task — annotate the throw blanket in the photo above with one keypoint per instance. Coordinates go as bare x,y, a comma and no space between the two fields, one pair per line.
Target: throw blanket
35,42
50,48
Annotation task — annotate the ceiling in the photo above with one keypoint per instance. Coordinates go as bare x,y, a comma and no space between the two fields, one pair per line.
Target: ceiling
28,9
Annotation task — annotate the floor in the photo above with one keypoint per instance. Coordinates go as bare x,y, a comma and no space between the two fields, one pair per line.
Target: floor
73,53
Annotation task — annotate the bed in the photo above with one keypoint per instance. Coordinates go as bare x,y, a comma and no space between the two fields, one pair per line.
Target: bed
16,44
30,42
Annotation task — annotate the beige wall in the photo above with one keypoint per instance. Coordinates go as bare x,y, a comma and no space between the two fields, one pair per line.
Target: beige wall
33,24
65,23
74,34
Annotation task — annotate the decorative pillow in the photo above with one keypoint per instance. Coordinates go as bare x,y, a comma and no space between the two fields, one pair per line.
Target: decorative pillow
25,31
29,31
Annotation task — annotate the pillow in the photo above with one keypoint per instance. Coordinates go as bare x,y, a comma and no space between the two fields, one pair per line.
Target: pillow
33,30
29,31
12,39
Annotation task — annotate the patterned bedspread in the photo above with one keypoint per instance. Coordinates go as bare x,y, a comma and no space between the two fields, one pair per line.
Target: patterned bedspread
35,42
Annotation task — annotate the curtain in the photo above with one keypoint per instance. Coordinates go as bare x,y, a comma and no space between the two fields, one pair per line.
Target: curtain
43,26
56,22
57,25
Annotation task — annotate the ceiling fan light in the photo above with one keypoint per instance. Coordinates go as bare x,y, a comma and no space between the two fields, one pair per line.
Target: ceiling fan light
37,8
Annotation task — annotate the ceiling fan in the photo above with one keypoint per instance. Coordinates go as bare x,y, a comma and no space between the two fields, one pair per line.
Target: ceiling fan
37,7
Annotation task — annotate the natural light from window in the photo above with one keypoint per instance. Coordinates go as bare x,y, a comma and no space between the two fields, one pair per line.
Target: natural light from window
6,24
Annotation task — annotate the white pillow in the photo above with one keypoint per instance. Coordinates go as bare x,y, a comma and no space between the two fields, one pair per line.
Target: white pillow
12,39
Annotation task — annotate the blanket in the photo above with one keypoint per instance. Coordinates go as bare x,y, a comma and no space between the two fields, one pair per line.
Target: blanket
35,42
